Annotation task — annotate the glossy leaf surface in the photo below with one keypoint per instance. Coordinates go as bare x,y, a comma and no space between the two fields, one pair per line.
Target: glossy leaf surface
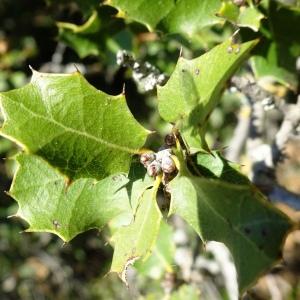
78,129
194,88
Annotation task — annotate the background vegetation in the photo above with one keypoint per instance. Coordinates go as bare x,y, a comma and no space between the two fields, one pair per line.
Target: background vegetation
60,36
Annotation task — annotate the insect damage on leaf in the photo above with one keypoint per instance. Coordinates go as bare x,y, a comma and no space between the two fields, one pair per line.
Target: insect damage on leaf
123,274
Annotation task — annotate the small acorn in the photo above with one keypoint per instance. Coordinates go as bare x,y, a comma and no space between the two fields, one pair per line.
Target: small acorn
168,165
147,158
154,168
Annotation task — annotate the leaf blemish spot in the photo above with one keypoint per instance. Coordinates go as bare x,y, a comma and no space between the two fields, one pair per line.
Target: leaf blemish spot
56,224
197,72
129,262
229,49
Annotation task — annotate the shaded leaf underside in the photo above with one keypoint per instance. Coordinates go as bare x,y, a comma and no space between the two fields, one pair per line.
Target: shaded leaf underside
236,215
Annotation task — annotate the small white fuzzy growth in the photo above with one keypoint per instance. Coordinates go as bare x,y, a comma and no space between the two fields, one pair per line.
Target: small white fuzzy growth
154,169
168,164
163,153
147,158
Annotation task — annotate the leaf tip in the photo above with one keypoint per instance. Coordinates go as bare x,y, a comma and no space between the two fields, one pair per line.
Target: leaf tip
123,90
32,69
8,193
121,14
77,69
180,52
16,215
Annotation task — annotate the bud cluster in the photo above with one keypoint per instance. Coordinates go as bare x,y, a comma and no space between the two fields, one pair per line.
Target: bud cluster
158,162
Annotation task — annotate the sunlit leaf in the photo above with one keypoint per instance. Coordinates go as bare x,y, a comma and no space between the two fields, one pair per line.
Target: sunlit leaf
78,129
137,240
194,89
50,204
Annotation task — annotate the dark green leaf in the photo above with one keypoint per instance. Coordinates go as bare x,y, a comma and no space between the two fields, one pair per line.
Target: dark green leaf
277,53
237,215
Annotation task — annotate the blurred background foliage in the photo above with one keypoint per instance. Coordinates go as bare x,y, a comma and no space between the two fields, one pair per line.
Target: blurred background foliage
60,36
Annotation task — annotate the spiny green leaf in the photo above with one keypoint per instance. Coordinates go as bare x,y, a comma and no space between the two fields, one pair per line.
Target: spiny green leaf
194,88
81,37
275,57
136,241
250,17
242,16
237,215
78,129
184,16
48,203
99,35
190,16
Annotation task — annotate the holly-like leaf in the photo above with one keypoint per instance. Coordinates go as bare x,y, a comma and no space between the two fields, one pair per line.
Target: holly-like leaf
275,57
237,215
82,38
184,16
49,204
78,129
194,88
94,37
136,240
244,16
250,17
190,16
